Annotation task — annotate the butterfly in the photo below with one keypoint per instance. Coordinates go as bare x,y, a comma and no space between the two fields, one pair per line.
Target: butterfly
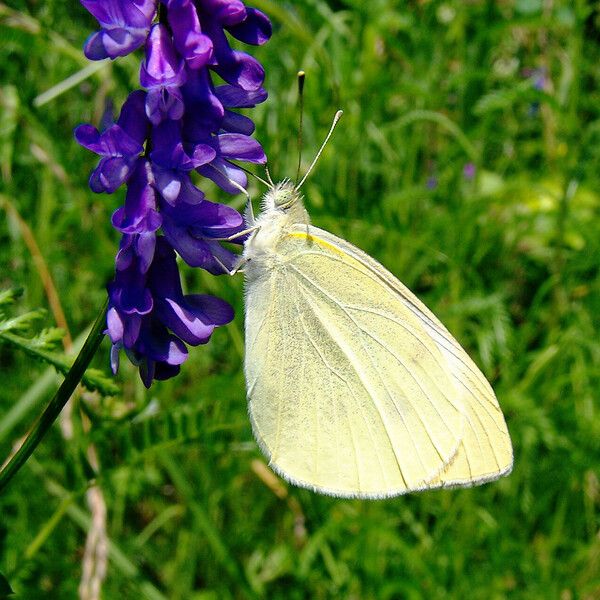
355,389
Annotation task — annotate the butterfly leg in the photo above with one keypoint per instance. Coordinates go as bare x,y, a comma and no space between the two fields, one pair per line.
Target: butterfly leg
249,214
239,234
240,262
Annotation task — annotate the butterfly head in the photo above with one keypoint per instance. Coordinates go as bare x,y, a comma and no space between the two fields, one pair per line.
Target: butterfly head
283,196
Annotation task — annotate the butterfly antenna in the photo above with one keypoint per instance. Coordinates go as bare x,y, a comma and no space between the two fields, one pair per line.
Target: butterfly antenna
301,77
336,118
269,176
268,184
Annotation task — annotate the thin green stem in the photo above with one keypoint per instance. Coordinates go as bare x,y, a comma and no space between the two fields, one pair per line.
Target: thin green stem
64,392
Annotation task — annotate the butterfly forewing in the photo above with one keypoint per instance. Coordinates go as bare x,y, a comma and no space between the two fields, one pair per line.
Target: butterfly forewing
485,452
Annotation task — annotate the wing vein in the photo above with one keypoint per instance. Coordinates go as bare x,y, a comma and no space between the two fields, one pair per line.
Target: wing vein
408,371
351,361
345,382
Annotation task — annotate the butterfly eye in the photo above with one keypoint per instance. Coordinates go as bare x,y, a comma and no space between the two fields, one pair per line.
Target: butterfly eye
283,199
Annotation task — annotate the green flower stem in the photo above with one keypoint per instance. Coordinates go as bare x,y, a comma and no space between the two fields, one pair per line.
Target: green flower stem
64,392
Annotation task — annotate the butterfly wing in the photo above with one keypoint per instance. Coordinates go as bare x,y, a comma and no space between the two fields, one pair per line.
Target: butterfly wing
485,452
354,387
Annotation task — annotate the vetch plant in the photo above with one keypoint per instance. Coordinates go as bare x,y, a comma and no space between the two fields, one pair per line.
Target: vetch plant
182,121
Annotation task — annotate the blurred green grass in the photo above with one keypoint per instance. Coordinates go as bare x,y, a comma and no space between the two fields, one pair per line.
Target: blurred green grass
508,260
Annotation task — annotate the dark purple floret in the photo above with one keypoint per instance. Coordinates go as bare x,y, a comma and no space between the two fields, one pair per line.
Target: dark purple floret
228,147
194,231
235,67
162,73
254,29
205,112
171,161
192,317
195,47
119,146
180,125
124,26
139,215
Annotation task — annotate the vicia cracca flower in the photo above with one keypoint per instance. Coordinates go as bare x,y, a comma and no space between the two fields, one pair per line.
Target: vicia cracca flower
179,125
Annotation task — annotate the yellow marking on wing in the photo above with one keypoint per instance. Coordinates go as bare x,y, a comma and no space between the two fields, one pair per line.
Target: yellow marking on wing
313,238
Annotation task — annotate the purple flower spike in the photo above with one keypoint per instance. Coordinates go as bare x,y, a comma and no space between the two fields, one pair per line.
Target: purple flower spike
181,124
125,25
162,73
189,40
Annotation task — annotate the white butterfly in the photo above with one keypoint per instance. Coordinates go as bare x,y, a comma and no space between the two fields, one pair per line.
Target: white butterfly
355,389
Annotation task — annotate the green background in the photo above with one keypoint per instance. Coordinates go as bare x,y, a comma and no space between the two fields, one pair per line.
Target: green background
508,260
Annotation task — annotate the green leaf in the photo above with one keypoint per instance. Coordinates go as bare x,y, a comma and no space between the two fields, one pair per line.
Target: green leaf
93,379
44,345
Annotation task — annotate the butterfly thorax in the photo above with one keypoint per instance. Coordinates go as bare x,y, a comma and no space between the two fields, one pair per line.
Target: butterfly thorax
282,207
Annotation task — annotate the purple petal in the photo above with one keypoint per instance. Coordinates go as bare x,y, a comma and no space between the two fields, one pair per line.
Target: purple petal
241,69
236,68
164,103
222,173
169,184
120,42
214,220
189,40
203,109
226,12
232,96
115,325
241,147
145,244
190,194
132,119
162,65
236,123
185,323
133,13
93,48
111,173
169,152
254,29
129,294
88,136
216,310
139,214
